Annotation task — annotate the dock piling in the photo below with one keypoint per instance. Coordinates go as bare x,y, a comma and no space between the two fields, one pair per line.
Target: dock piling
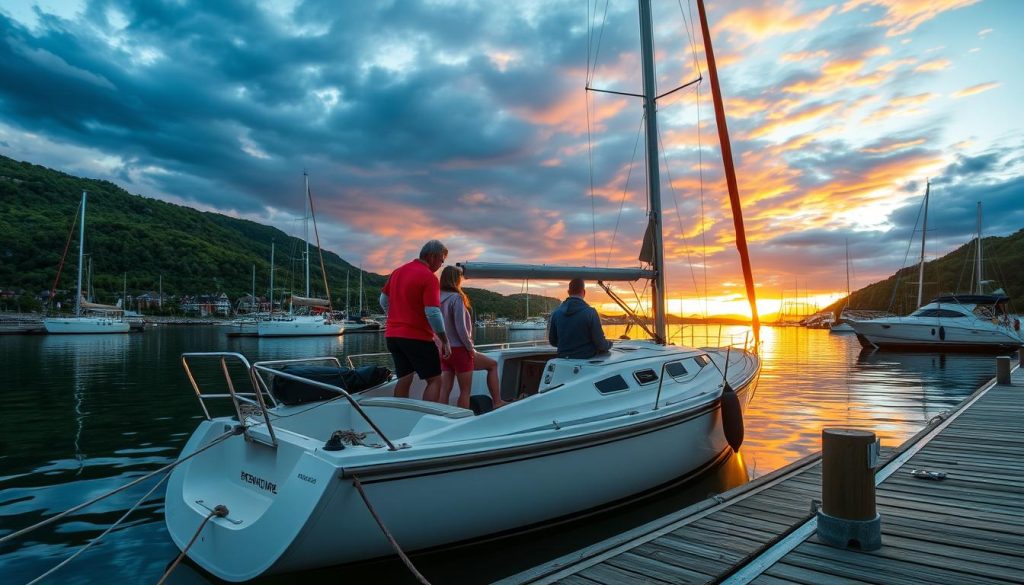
848,517
1003,370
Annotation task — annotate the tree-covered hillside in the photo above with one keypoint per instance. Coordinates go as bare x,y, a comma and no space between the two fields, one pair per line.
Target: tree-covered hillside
147,240
1002,262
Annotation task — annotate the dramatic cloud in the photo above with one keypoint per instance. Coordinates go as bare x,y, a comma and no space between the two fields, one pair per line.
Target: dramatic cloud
469,121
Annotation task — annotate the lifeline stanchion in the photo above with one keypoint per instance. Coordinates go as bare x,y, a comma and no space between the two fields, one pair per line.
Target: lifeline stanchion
387,533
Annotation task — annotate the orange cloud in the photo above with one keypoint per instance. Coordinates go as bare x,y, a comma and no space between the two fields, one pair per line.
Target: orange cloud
934,65
903,16
892,146
976,89
756,23
804,56
900,106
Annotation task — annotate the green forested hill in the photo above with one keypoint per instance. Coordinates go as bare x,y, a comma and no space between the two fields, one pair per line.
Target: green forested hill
194,252
1003,265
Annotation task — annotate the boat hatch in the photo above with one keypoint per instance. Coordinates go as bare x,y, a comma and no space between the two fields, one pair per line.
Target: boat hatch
613,384
646,376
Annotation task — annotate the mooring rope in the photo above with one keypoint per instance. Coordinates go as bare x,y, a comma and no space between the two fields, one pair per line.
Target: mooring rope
104,533
220,510
236,430
387,534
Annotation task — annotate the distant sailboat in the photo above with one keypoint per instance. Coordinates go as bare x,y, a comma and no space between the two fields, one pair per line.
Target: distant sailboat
528,324
317,319
101,318
842,324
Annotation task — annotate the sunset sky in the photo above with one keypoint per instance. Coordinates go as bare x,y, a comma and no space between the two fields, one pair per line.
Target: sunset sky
468,121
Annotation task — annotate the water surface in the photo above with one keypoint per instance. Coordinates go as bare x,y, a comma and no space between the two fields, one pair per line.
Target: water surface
81,415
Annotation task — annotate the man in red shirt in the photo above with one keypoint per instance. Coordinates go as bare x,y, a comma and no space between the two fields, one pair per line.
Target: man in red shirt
412,298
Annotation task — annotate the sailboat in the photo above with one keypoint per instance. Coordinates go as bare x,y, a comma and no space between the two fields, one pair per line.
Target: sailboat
528,324
344,479
358,322
100,318
842,323
973,321
316,317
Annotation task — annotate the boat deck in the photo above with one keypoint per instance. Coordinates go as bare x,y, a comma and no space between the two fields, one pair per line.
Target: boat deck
965,528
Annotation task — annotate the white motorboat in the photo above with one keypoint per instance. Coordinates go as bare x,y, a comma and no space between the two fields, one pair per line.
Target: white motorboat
299,325
528,325
101,318
952,322
358,473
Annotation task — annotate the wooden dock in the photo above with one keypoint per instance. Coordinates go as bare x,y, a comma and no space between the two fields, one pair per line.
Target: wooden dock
965,528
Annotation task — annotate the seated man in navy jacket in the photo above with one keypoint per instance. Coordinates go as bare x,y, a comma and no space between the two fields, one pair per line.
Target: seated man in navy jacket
575,328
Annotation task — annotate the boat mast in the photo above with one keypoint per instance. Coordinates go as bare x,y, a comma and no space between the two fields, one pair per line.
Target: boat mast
81,249
730,172
271,278
847,275
348,314
924,230
978,260
305,228
653,171
360,290
253,308
527,317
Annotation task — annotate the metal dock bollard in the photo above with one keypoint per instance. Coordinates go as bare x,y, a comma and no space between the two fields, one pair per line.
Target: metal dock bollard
848,518
1003,370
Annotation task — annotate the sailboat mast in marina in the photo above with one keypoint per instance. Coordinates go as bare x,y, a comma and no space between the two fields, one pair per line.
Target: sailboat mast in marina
104,318
312,322
567,422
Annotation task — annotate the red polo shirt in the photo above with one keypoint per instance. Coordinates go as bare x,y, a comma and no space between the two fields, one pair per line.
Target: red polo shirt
411,288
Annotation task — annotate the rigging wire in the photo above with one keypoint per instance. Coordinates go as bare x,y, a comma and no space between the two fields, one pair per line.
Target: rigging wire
625,190
906,255
64,256
110,528
591,70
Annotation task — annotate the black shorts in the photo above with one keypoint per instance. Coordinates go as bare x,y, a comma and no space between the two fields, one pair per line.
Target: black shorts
414,355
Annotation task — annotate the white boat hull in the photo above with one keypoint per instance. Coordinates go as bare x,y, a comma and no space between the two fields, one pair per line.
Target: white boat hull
295,506
921,333
85,325
298,326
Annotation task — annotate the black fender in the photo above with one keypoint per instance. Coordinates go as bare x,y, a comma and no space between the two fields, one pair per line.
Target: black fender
732,417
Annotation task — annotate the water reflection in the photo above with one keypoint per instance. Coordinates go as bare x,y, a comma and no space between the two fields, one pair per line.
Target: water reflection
82,415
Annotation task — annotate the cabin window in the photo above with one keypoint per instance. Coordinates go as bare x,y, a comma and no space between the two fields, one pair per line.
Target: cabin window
702,360
944,313
614,384
645,376
675,369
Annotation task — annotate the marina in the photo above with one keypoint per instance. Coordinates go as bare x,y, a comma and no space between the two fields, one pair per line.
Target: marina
629,265
119,407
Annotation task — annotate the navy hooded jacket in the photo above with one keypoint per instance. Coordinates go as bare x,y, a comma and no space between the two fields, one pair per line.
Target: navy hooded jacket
575,330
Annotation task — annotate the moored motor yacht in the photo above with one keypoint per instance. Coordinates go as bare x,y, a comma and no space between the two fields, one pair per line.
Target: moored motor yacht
967,322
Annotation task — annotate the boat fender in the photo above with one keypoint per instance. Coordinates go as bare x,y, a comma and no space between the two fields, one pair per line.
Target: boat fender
732,418
481,404
942,333
1016,324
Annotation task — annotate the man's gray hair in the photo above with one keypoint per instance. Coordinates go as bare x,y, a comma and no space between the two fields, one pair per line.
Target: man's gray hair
431,248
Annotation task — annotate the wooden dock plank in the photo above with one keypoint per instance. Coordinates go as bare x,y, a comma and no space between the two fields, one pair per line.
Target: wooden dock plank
964,529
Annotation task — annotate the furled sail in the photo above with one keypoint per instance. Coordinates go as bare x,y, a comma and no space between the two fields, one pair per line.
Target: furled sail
298,301
87,306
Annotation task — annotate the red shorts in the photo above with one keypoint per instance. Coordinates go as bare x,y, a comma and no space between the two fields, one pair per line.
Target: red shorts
460,361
